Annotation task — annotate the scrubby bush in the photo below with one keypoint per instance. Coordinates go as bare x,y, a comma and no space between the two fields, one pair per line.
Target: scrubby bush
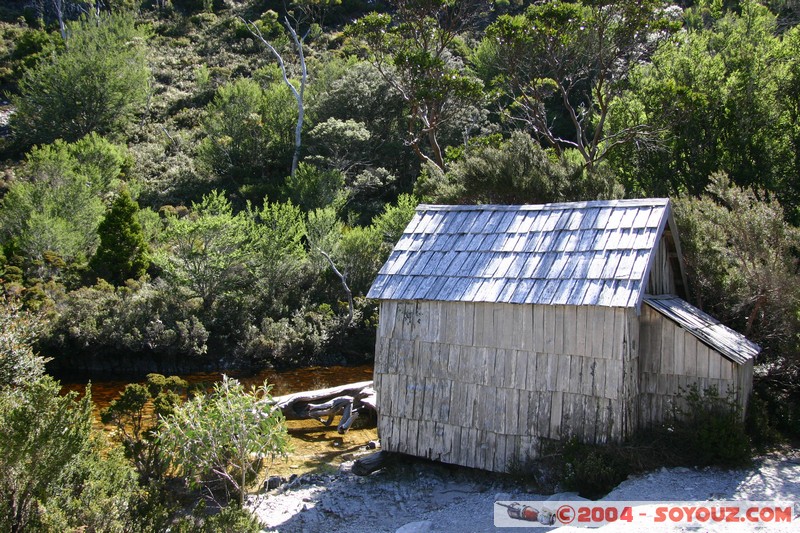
58,475
516,170
224,438
708,428
592,471
248,131
59,101
50,215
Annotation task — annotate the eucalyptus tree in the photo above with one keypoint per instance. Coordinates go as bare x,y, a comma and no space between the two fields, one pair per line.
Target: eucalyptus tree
563,64
415,51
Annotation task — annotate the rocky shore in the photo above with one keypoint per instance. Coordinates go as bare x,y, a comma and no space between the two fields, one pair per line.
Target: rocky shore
420,496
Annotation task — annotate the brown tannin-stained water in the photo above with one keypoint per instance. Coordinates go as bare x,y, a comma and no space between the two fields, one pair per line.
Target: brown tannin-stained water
316,447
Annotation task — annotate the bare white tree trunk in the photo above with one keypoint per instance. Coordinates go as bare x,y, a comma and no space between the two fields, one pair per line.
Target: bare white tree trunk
343,278
297,92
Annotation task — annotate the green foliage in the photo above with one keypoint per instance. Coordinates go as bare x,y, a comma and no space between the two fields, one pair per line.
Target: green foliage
225,436
342,145
278,231
717,96
56,475
18,330
153,318
248,130
425,71
29,47
135,426
740,257
59,99
230,519
592,471
517,171
206,251
708,428
56,207
563,64
122,253
312,188
393,221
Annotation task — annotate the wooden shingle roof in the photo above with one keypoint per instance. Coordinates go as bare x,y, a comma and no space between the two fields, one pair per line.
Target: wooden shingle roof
731,344
581,253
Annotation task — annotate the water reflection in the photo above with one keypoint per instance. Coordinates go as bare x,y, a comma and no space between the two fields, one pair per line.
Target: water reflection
316,447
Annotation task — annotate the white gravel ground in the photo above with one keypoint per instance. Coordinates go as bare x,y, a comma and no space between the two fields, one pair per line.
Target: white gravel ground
420,496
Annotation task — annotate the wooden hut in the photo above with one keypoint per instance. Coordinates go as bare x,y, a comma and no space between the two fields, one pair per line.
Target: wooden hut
504,326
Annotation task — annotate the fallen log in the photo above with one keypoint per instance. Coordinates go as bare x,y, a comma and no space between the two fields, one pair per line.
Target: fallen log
371,463
351,401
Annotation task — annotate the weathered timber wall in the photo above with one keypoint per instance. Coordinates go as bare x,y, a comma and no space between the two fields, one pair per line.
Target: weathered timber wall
482,385
671,358
662,275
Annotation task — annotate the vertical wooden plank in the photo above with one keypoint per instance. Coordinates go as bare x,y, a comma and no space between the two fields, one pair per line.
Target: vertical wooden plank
559,317
532,364
527,328
613,379
502,368
599,377
445,395
679,358
588,367
569,326
563,377
499,457
520,369
538,328
488,372
513,449
667,348
508,318
469,324
580,331
453,357
552,372
702,360
689,356
519,419
589,418
531,425
607,316
501,409
470,391
478,338
545,402
555,415
714,365
489,450
549,329
489,333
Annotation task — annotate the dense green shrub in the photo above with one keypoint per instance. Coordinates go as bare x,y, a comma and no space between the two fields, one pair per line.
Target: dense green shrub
708,428
592,471
249,131
517,170
58,100
122,252
51,213
58,475
225,437
142,317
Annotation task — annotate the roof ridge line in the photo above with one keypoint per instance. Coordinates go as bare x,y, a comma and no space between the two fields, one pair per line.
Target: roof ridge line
632,202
